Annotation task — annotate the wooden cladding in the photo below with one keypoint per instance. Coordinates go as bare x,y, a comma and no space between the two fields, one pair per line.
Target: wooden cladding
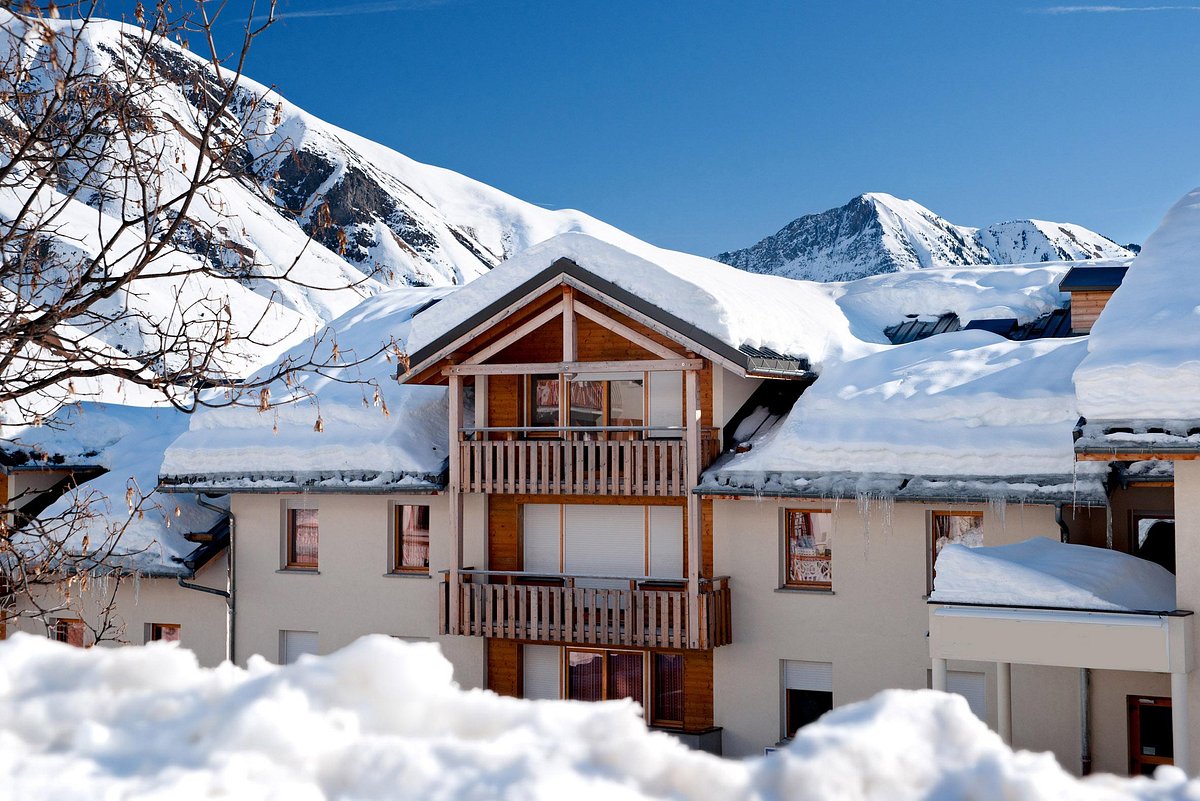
1085,308
556,610
576,467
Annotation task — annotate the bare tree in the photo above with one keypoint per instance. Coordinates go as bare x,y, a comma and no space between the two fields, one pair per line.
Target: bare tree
91,130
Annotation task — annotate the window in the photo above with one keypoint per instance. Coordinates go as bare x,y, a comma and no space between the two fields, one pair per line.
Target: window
667,690
410,547
632,541
807,693
67,630
953,528
599,400
604,675
543,401
808,561
165,632
540,672
971,686
295,644
1154,539
302,535
1150,736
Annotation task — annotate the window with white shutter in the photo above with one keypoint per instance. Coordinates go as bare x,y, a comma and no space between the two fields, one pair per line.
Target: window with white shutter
541,666
295,644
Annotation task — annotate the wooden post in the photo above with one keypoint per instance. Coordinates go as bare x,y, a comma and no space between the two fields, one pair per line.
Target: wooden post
456,502
692,417
568,321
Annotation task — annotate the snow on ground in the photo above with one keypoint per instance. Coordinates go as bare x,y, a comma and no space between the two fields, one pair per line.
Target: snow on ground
382,719
1044,572
825,323
963,404
1143,362
372,431
128,442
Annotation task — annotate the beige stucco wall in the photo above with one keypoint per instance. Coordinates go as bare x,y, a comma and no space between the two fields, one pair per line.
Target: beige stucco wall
1187,576
351,594
872,628
141,601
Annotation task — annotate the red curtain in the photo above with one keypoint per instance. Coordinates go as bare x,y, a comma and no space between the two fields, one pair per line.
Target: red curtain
668,688
625,676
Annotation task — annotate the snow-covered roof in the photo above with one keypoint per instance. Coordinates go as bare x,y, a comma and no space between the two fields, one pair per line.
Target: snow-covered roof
1143,362
1044,572
823,323
966,414
374,435
128,443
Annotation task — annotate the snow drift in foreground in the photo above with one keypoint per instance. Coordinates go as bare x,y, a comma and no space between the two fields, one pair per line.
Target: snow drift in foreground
382,719
1042,572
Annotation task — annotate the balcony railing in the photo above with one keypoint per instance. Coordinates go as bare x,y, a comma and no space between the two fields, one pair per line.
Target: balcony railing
589,461
586,610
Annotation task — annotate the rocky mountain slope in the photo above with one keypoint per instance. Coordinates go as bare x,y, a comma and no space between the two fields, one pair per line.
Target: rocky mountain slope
877,233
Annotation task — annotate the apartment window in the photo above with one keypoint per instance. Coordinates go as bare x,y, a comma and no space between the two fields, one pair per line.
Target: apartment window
597,400
953,528
543,401
1154,539
541,669
68,630
971,686
295,644
807,554
302,537
807,693
604,675
410,546
667,690
164,632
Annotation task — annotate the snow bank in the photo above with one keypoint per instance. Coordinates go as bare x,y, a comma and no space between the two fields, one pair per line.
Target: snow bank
382,719
372,432
1143,362
963,404
1044,572
120,507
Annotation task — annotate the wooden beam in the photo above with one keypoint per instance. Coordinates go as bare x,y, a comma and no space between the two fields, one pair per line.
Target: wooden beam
600,318
481,401
1119,456
456,503
691,410
523,330
531,368
569,348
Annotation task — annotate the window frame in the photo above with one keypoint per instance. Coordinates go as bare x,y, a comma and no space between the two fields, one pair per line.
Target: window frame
565,673
653,679
64,625
396,556
289,534
931,538
154,632
785,580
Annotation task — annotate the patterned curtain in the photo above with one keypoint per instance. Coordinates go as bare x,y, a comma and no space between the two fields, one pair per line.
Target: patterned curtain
625,676
585,676
303,537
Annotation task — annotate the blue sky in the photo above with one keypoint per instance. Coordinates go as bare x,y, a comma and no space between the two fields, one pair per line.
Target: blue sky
704,126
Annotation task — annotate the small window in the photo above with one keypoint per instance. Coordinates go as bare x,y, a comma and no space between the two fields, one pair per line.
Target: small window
667,690
807,553
295,644
953,528
164,632
410,548
807,693
302,537
68,630
543,401
1154,539
586,407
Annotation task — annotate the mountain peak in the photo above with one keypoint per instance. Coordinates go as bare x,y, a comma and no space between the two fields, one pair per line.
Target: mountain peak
880,233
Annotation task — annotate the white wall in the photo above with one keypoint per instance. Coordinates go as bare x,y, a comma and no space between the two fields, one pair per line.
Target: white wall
1187,575
352,593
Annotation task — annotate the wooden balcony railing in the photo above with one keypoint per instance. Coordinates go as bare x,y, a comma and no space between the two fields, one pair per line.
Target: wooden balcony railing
553,608
598,466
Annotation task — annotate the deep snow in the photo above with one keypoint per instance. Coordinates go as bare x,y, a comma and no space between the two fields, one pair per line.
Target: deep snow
382,719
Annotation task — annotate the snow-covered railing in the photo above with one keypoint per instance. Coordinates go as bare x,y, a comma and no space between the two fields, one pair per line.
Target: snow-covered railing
612,465
586,609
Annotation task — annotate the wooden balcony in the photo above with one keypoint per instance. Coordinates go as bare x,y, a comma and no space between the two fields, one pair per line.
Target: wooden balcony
601,465
553,608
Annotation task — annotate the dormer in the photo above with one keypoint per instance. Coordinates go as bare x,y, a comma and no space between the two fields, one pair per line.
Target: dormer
1090,288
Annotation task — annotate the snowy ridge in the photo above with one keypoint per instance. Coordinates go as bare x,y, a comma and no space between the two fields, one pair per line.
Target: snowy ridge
147,723
877,233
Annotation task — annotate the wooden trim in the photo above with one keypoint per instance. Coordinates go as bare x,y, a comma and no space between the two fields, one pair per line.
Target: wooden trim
456,505
569,350
622,330
691,410
1133,705
787,555
639,366
1124,456
523,330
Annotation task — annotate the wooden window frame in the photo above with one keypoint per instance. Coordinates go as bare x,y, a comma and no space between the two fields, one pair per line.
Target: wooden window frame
565,671
1136,758
397,560
931,538
289,540
62,631
652,680
564,407
156,630
786,581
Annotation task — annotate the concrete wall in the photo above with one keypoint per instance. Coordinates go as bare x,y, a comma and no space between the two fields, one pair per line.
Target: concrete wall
352,593
873,625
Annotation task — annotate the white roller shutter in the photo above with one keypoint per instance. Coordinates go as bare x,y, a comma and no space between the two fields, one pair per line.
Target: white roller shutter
604,540
666,401
971,686
540,669
540,537
295,644
666,541
799,675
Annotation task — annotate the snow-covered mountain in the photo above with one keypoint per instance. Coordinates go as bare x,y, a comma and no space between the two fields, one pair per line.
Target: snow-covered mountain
878,233
376,218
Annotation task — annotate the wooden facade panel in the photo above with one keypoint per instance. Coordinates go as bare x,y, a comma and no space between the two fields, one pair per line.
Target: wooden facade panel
504,667
697,690
504,400
504,533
